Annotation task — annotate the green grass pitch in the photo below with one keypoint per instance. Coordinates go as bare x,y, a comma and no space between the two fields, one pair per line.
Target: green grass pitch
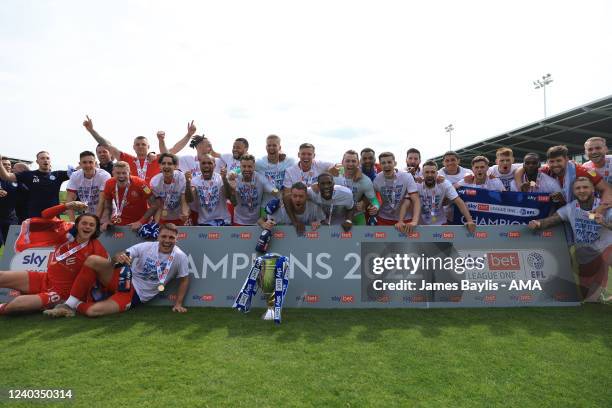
150,357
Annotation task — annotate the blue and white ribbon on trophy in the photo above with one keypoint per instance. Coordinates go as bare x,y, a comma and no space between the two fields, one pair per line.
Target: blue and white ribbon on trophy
249,288
280,287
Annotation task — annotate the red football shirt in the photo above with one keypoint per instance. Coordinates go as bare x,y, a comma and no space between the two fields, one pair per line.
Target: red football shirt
152,166
136,204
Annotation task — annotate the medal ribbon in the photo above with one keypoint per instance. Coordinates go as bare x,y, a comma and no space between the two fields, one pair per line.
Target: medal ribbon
161,275
142,171
68,253
121,206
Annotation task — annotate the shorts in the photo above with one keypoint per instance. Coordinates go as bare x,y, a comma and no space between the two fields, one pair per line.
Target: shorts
125,300
39,284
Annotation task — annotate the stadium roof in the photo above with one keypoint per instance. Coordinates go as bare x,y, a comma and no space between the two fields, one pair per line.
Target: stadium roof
570,128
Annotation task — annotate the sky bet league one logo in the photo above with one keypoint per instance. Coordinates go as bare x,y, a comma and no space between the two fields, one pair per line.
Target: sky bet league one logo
34,259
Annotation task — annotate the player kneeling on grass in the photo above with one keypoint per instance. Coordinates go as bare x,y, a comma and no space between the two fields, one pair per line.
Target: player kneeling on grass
153,265
592,236
73,243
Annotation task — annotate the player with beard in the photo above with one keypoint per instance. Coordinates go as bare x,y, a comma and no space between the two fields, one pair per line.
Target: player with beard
592,236
335,201
73,243
43,184
535,181
360,185
565,171
125,199
168,189
480,178
86,184
369,167
232,161
153,265
304,210
209,193
434,194
505,167
596,149
413,162
141,165
105,158
246,191
452,171
307,169
394,187
274,165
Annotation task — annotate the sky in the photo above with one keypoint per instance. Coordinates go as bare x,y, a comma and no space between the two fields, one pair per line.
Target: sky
339,74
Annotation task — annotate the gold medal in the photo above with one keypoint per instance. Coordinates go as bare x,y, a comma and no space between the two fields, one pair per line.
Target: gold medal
434,219
164,213
116,220
161,287
532,184
591,216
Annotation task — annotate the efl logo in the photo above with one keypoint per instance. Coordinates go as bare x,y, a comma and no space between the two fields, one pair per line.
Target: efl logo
483,207
118,235
14,293
514,234
181,235
448,235
470,192
380,235
547,234
312,234
347,299
279,235
245,235
503,261
311,298
414,235
214,235
481,235
543,199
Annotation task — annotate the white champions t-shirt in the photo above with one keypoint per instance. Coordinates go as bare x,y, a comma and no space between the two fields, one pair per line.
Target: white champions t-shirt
432,210
591,238
489,184
605,171
191,163
454,178
392,191
334,209
312,212
249,198
211,200
144,268
505,178
170,194
88,189
544,184
294,173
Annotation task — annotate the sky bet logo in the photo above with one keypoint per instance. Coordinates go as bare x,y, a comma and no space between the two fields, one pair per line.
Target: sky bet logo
510,234
376,235
444,235
118,235
241,235
311,235
181,236
209,235
279,235
342,235
343,299
204,298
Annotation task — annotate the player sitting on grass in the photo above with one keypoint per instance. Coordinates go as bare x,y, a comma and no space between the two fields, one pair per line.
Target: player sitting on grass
153,265
73,243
